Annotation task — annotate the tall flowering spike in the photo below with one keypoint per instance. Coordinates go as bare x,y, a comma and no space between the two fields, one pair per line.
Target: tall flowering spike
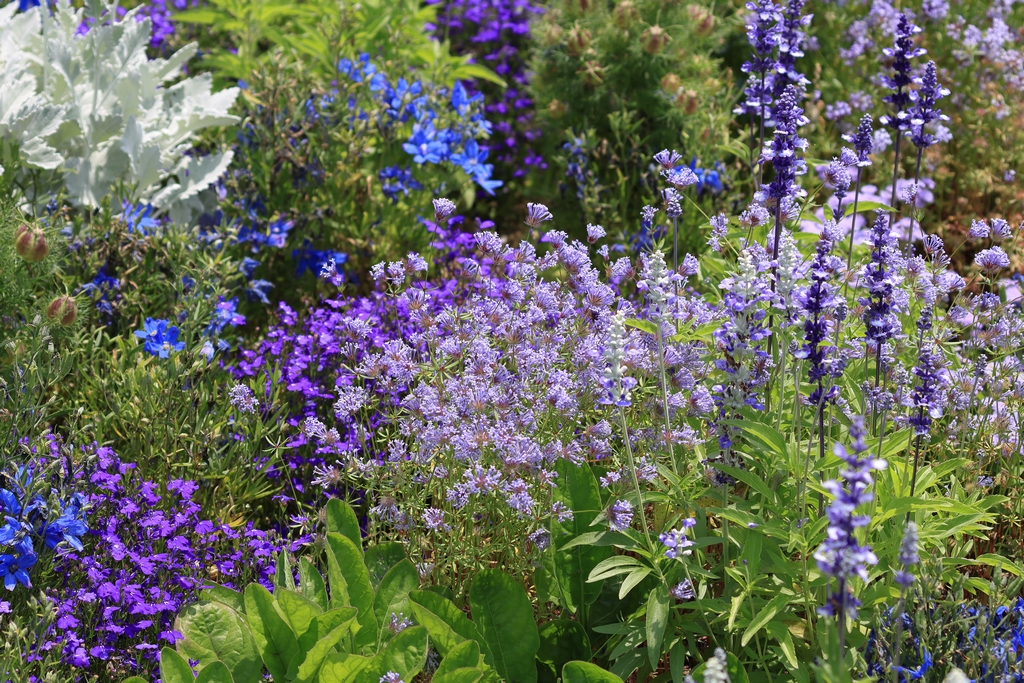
818,302
791,48
739,339
841,555
763,35
617,386
863,140
881,277
783,150
901,53
673,209
925,110
908,556
838,176
927,395
656,281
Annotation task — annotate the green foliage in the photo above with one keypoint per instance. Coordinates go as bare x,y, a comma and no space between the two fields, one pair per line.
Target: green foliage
130,141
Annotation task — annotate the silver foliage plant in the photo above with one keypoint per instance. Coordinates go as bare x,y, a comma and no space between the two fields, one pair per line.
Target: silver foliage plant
91,114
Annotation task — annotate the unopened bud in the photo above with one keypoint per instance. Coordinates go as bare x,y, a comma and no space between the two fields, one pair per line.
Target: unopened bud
670,83
556,109
625,14
577,41
654,40
593,73
63,309
702,19
30,244
687,101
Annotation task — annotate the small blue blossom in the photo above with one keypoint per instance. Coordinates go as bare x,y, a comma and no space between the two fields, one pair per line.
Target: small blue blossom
161,340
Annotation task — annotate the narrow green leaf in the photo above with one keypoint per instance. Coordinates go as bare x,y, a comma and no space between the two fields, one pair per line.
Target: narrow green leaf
643,325
763,616
631,581
657,620
504,617
784,638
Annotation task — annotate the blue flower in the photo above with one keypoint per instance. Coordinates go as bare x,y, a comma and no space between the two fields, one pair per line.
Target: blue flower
248,266
14,570
160,339
424,146
137,217
258,289
224,313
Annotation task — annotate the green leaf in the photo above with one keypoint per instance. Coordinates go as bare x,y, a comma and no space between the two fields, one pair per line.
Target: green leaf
312,584
784,638
198,16
405,654
135,679
562,641
504,617
733,667
642,325
448,625
341,668
763,616
380,558
329,629
215,631
341,519
460,675
174,668
631,581
223,595
598,538
613,566
657,620
463,655
474,71
393,591
585,672
1003,563
216,672
578,491
349,561
283,572
275,640
299,610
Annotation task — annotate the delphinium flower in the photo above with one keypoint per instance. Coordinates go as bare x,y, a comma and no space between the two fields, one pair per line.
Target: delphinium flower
783,153
161,339
881,277
763,35
841,554
819,301
743,361
899,82
927,394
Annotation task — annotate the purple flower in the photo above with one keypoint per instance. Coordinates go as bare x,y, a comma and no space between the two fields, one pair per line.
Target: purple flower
901,53
719,230
675,541
620,515
537,214
443,208
666,159
841,555
881,276
783,151
434,520
908,556
924,110
242,398
683,591
391,677
992,260
763,36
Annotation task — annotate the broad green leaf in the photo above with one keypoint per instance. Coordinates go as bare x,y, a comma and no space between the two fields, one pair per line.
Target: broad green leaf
135,679
585,672
504,617
215,672
448,625
463,655
657,620
405,654
275,640
341,519
174,668
578,491
460,675
223,595
342,668
283,572
380,558
562,641
349,559
299,610
393,591
331,627
215,631
312,584
784,638
198,16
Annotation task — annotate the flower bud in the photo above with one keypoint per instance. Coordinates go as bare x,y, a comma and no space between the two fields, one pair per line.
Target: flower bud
703,20
583,5
63,309
670,83
551,35
654,40
593,73
625,14
30,244
577,41
556,109
687,101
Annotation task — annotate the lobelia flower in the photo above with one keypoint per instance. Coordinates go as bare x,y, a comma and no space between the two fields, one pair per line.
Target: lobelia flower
841,555
161,340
